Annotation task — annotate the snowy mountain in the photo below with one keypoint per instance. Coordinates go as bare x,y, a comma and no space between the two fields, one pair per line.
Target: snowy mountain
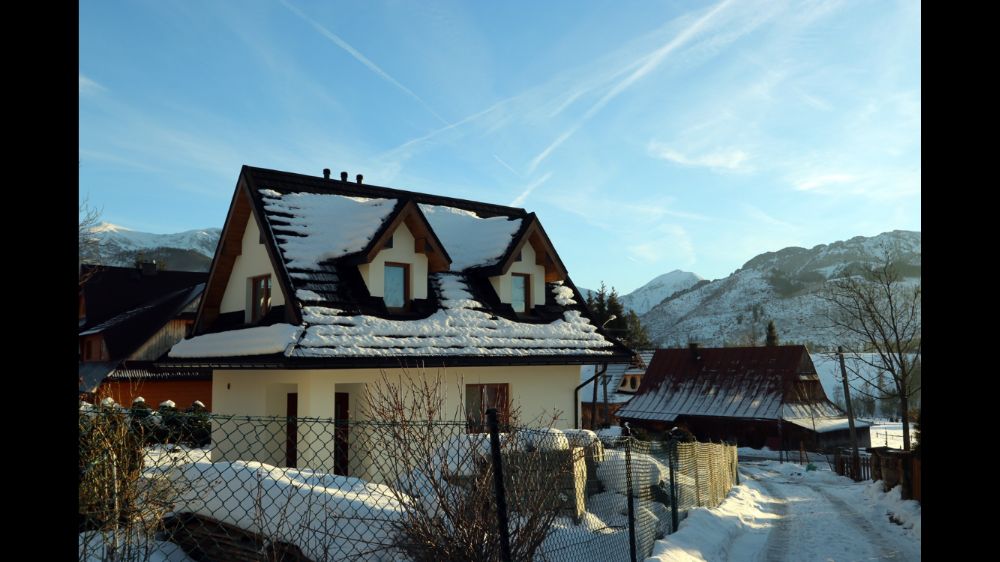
780,286
191,250
650,294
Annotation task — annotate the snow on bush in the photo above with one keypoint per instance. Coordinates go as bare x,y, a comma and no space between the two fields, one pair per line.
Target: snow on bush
462,454
93,547
580,437
646,472
323,514
610,435
547,439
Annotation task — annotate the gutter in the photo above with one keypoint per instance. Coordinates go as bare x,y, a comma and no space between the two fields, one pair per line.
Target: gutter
576,393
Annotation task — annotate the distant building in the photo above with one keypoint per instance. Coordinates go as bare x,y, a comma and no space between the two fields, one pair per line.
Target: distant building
619,384
128,317
757,396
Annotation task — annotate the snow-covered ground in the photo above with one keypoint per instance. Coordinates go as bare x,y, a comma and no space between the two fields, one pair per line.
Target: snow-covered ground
889,434
782,512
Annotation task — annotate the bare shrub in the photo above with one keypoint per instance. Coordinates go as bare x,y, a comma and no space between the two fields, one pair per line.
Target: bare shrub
444,475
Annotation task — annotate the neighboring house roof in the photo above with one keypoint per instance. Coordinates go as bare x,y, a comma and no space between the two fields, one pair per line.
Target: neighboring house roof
127,331
110,291
615,373
760,383
126,308
318,230
93,373
145,370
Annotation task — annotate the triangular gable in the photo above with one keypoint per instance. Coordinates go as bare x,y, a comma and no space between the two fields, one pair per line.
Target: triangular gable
243,207
531,232
427,241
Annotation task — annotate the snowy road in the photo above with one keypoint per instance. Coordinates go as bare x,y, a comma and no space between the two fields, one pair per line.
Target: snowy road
781,512
816,522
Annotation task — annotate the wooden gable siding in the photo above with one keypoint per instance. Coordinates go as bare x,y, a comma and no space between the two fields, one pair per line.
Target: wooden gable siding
99,349
545,254
171,333
230,246
426,240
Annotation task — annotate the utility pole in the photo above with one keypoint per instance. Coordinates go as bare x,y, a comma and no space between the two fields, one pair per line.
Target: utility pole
855,457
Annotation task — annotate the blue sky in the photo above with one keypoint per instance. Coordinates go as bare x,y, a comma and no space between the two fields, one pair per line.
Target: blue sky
647,136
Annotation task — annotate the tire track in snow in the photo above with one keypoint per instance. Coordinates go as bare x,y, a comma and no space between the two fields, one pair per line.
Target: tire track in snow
873,536
810,516
778,540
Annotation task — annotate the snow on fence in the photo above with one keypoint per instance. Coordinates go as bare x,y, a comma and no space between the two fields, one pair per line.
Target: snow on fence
322,489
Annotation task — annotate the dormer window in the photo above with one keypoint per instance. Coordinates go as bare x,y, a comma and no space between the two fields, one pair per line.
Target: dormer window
260,297
520,292
397,286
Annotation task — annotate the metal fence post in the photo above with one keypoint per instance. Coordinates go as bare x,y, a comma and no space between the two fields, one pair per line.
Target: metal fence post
491,420
672,462
627,432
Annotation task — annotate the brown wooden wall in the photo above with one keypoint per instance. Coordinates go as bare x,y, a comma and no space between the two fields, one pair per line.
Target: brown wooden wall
182,392
612,419
161,342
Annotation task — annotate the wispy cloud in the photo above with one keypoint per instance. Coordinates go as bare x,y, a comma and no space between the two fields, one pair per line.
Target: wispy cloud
651,62
336,39
759,215
506,165
665,242
90,87
816,182
527,190
726,159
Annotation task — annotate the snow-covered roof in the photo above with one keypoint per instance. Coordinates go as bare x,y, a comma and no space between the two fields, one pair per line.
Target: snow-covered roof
261,340
462,327
826,424
471,241
318,231
314,227
750,383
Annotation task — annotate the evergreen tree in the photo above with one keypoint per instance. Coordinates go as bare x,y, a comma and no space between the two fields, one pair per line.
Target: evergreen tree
625,326
772,335
636,338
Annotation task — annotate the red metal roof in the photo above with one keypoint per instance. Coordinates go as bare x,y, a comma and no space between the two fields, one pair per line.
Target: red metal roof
731,382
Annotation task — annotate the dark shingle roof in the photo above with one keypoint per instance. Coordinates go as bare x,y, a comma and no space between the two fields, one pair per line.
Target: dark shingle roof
318,229
766,383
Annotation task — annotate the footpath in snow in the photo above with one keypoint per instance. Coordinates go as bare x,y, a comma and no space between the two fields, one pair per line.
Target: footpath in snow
783,512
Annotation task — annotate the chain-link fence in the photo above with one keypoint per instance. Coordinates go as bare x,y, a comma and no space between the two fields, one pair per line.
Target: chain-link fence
701,474
227,488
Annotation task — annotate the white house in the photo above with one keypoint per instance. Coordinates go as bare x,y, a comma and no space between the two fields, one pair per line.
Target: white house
319,284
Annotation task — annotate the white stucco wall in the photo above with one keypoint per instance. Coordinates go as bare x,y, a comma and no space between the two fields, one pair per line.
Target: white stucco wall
502,283
402,251
538,392
251,263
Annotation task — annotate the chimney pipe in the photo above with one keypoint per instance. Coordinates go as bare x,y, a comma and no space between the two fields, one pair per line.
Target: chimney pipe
326,173
695,351
343,176
360,177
